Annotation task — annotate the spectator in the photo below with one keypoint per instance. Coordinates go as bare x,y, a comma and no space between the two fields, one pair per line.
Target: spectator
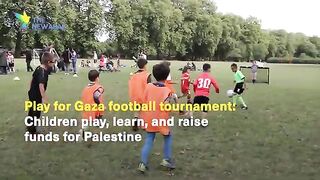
109,65
74,61
194,68
95,57
66,58
143,55
3,63
60,63
118,62
102,64
28,60
10,59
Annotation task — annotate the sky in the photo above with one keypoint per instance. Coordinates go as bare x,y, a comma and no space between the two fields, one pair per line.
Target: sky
290,15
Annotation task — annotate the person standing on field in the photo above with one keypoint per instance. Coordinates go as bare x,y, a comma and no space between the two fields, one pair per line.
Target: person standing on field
254,71
74,61
142,55
10,59
28,60
3,62
38,87
95,57
66,58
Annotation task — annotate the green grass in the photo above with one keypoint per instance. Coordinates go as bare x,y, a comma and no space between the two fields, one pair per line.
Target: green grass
277,138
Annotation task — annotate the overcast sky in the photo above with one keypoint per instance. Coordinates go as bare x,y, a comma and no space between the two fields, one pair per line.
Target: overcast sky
290,15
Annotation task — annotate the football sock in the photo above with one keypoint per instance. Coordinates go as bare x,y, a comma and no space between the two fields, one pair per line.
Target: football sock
242,101
235,98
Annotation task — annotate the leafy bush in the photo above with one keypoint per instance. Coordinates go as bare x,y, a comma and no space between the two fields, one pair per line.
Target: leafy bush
304,59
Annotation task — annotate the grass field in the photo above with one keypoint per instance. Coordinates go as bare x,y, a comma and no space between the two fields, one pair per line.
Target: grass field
277,138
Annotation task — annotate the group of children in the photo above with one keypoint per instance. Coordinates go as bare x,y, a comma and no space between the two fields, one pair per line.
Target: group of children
106,64
142,89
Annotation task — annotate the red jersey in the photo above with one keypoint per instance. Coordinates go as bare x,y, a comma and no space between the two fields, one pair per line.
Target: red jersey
201,85
185,82
102,61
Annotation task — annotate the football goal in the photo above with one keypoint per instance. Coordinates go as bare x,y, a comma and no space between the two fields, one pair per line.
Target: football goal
262,76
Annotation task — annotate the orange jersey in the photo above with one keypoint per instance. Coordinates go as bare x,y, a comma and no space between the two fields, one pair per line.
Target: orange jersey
137,85
88,98
156,93
169,84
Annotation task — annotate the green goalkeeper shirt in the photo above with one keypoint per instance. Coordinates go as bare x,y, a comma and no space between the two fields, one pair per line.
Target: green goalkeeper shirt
239,77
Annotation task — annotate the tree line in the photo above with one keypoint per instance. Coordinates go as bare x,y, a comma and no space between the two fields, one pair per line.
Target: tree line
165,29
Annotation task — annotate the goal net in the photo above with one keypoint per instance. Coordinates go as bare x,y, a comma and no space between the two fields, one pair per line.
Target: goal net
262,76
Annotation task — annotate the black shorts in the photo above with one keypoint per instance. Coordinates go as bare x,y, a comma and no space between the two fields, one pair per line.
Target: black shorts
33,113
201,100
239,88
11,64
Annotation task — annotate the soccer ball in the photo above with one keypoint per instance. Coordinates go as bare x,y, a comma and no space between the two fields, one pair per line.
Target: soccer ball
230,93
75,75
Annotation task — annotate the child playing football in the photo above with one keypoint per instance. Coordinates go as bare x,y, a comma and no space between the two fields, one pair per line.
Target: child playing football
201,88
158,93
185,83
240,86
92,94
137,84
38,87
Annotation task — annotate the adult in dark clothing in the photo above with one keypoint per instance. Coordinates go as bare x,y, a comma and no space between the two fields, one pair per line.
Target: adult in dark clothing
60,64
194,68
3,62
74,61
66,58
29,59
38,87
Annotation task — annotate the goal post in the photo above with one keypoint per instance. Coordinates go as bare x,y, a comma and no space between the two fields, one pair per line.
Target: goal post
262,76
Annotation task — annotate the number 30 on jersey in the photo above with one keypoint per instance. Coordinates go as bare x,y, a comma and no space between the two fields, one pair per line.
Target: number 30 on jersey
204,83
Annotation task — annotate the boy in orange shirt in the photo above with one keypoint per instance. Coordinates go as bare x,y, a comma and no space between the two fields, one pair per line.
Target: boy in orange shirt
157,92
137,84
92,94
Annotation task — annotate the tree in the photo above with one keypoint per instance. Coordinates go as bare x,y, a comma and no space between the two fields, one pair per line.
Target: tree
316,41
231,31
307,48
182,29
